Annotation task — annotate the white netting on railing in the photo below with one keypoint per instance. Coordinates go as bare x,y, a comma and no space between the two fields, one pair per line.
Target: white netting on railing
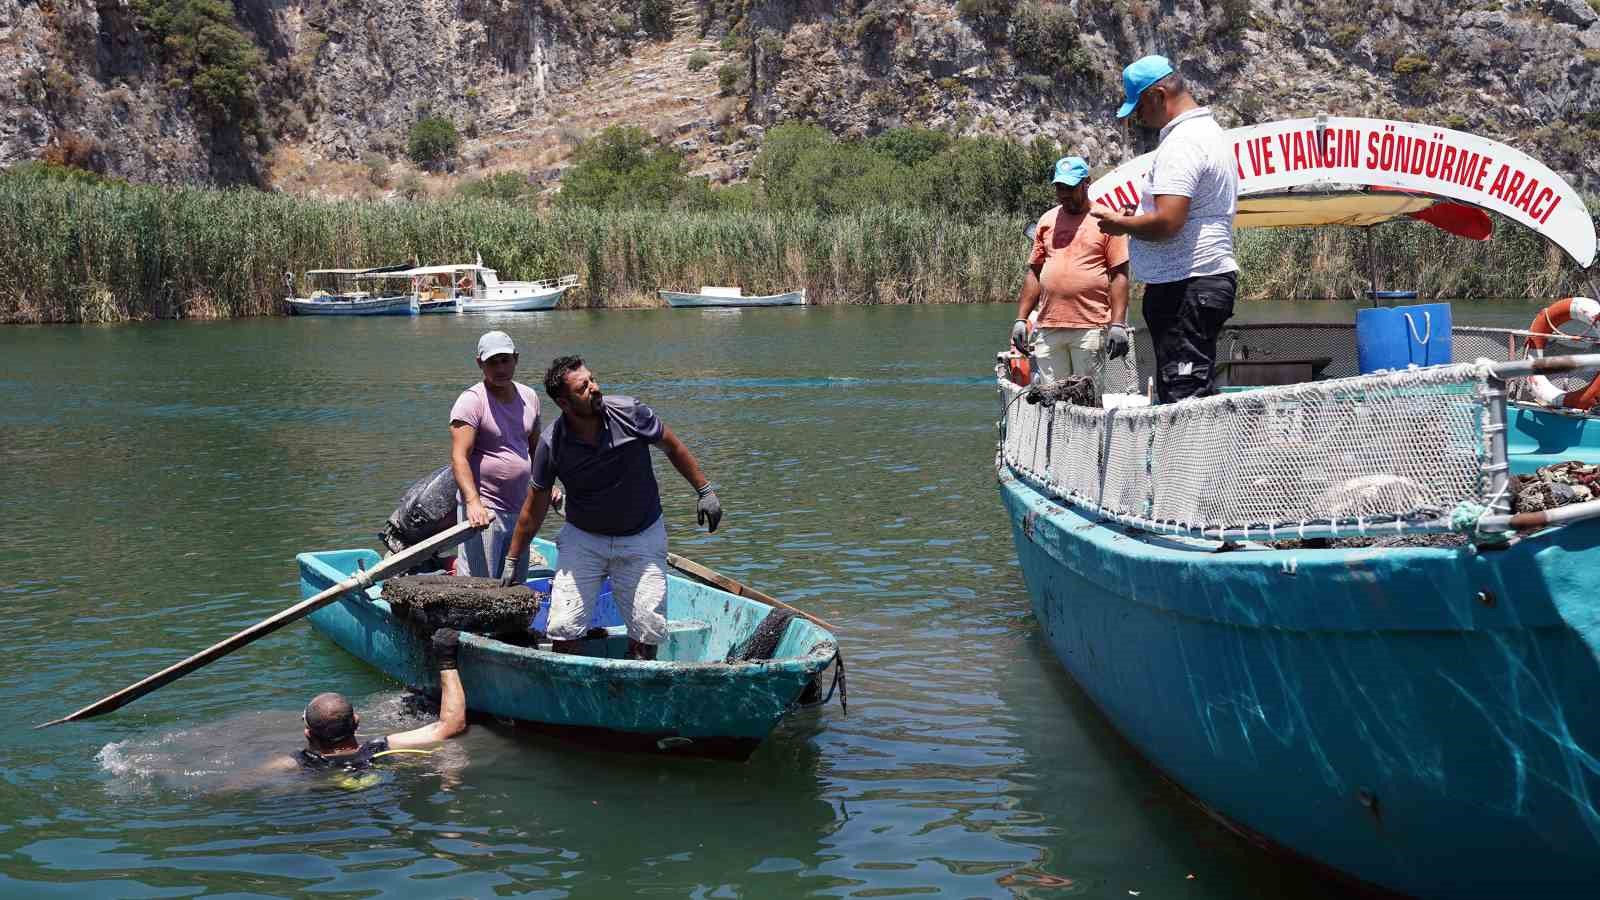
1397,448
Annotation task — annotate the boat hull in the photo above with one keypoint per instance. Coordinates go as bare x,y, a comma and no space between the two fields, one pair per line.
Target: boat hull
1422,720
689,702
532,303
679,300
381,306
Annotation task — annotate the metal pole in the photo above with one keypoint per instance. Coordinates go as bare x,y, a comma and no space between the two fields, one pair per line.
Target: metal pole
1497,468
1372,269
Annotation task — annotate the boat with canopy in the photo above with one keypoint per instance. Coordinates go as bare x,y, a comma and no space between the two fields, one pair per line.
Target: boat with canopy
1354,615
350,292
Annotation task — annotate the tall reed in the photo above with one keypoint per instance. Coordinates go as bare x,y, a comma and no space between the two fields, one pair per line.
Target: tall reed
97,253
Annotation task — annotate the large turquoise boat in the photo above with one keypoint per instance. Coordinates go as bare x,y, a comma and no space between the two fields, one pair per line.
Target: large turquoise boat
1313,607
689,700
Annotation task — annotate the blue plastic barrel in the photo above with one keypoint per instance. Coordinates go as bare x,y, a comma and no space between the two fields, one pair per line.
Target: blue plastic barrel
1400,336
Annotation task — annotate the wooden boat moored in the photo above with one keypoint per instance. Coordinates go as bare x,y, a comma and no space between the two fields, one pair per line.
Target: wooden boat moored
688,701
730,296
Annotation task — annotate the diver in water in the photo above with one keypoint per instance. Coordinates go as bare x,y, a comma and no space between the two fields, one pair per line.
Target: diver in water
331,722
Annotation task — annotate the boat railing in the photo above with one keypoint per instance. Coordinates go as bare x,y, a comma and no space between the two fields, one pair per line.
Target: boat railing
1414,451
547,284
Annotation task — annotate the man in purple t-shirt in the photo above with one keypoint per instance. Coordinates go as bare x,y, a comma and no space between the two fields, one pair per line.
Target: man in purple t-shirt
491,427
600,450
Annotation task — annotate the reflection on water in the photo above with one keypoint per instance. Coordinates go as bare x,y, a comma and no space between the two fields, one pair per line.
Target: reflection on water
158,480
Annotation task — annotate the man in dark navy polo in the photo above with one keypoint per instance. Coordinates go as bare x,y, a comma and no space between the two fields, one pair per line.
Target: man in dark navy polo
600,450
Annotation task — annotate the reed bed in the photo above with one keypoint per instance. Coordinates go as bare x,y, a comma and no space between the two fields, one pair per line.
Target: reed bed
106,253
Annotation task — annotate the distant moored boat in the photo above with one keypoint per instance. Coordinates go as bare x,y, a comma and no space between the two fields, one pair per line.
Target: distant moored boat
730,296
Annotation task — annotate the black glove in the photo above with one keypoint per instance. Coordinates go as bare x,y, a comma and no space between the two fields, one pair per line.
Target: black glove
709,512
1019,336
1116,340
446,641
508,572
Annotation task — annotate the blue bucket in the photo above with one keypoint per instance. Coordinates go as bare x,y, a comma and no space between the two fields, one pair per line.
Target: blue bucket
1401,336
604,614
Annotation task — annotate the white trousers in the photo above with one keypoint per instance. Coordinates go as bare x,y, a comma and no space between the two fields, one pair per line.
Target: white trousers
484,553
1059,352
637,565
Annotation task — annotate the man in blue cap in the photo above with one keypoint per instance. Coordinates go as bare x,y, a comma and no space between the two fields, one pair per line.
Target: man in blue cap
1076,284
1182,230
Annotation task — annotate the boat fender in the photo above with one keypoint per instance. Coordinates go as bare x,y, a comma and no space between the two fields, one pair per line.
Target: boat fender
1549,321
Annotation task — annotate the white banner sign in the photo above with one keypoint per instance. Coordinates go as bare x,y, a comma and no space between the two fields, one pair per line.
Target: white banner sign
1304,154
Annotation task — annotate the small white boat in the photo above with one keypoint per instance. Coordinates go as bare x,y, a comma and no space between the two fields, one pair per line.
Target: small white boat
475,288
349,292
711,295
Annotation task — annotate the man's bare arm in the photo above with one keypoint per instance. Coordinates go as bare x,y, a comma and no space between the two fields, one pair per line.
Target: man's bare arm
462,437
1172,210
1118,293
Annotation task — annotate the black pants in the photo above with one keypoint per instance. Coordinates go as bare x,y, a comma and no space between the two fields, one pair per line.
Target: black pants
1185,318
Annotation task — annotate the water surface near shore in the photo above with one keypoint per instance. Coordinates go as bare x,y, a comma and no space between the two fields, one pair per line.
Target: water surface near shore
158,480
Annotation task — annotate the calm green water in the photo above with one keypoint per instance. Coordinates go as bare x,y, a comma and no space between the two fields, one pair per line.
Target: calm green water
158,480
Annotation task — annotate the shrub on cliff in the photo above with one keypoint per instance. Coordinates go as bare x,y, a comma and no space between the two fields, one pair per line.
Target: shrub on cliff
1046,37
432,141
202,45
625,167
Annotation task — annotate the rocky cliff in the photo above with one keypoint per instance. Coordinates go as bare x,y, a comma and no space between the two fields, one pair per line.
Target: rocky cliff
334,87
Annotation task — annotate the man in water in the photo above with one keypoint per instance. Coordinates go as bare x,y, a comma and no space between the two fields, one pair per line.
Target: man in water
1182,231
599,448
1077,278
331,722
492,426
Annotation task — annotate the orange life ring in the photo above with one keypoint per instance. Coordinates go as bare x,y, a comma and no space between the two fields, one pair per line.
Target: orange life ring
1549,321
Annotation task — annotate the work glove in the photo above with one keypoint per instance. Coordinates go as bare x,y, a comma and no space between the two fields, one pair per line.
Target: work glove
709,512
1019,336
446,643
1116,340
508,572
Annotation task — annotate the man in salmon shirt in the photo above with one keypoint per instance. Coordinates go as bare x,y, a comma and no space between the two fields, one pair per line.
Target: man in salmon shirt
1078,279
492,425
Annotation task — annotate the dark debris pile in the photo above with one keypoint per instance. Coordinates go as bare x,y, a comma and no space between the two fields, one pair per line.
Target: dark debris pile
1077,390
1555,485
478,605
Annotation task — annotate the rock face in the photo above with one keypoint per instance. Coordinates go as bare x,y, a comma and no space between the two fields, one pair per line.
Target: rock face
341,81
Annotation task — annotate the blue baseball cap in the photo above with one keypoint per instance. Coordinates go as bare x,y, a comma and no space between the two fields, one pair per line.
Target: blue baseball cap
1070,170
1140,74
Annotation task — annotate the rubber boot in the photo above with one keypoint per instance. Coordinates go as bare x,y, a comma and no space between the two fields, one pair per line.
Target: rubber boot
637,650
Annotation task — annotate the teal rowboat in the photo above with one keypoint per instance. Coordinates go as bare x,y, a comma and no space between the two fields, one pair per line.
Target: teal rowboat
687,701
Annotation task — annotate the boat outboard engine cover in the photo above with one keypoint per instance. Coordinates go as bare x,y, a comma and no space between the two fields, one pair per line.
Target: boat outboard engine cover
426,508
478,605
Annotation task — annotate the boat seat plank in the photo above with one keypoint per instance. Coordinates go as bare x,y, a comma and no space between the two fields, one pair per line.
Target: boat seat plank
687,641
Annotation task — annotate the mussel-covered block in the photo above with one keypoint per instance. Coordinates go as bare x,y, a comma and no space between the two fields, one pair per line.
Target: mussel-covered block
477,605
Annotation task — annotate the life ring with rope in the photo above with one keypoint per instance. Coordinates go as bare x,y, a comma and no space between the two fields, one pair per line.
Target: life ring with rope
1549,321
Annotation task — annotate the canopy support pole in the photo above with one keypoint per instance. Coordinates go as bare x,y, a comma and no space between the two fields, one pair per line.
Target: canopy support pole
1372,268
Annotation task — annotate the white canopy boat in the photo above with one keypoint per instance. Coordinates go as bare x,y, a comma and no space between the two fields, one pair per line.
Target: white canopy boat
349,292
730,296
475,288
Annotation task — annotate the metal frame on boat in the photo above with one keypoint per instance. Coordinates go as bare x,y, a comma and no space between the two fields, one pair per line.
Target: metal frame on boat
1244,586
688,701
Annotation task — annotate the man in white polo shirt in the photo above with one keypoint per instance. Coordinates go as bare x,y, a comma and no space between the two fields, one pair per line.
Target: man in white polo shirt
1182,231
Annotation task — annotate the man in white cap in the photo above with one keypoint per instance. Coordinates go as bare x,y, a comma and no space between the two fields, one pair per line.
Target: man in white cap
1182,247
492,425
1077,283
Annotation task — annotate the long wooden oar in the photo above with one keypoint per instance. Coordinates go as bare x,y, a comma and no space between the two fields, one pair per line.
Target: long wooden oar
717,579
398,562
